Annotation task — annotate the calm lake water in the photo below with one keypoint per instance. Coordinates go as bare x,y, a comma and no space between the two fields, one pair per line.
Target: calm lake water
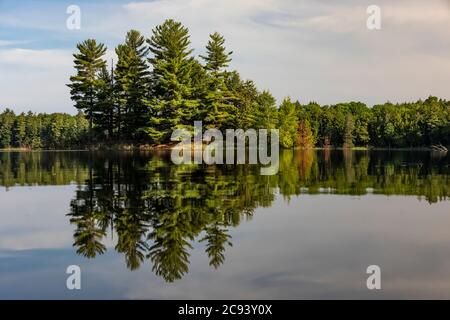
140,227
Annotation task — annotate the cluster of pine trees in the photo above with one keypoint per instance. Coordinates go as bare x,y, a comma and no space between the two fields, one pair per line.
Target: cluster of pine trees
42,131
157,85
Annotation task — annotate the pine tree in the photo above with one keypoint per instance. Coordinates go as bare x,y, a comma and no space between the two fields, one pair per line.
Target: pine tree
19,131
172,104
84,85
132,80
218,105
104,115
216,57
267,111
6,128
33,131
247,105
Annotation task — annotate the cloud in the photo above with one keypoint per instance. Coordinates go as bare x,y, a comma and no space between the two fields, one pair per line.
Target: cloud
4,43
25,58
319,50
36,79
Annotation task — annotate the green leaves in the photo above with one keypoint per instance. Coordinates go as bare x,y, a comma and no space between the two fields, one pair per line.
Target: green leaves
288,123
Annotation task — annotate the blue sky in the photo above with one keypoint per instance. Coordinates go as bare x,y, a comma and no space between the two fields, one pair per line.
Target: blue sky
310,50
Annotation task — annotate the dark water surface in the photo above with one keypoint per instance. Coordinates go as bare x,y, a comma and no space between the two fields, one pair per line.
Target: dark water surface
141,227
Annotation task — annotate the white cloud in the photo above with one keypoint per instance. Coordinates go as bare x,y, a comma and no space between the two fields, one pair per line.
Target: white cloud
35,58
36,79
319,50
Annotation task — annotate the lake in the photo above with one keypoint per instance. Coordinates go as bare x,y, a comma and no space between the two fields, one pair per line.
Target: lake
140,227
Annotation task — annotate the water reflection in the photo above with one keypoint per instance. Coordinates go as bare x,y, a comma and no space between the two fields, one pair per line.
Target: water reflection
156,210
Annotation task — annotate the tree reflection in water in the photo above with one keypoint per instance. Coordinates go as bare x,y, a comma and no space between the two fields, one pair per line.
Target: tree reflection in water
157,210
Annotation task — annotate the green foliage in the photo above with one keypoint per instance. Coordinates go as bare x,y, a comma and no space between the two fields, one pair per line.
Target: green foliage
348,131
105,115
267,111
132,85
216,57
6,128
217,106
84,85
422,123
305,138
48,131
171,105
287,123
417,124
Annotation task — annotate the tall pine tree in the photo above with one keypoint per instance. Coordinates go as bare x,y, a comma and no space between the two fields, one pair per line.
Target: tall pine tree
105,115
132,85
84,85
218,107
267,111
173,104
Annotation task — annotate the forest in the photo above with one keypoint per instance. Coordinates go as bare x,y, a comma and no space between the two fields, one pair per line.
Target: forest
157,85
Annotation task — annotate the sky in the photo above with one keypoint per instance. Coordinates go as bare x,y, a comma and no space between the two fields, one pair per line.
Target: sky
310,50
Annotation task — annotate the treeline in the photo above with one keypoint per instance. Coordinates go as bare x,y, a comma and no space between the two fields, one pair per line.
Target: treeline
417,124
157,85
346,172
42,131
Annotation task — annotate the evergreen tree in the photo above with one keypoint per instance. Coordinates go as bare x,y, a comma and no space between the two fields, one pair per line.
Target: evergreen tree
6,128
200,86
19,129
267,111
216,57
132,84
105,115
218,101
33,131
247,105
172,104
84,85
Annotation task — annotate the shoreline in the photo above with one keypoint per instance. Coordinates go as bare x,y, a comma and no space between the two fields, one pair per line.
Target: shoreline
165,147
